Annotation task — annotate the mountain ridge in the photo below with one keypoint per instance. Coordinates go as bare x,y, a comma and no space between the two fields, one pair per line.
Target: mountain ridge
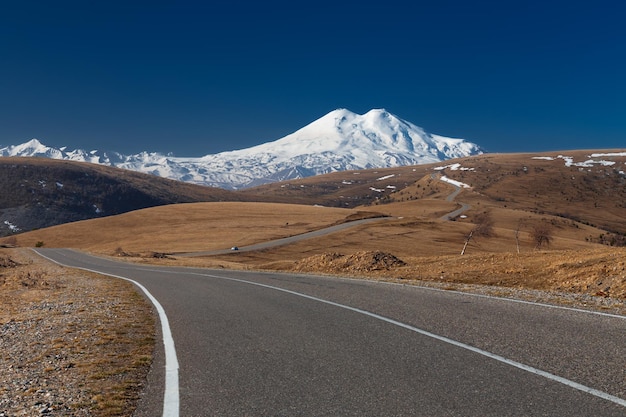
338,141
43,192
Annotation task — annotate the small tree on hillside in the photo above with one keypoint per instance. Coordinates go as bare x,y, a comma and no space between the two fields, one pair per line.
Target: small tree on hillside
542,235
483,226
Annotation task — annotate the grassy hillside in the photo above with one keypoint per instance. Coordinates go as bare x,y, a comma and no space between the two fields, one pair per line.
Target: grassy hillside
38,193
188,227
573,186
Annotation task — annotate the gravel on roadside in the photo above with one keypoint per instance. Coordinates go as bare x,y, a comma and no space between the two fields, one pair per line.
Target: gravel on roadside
72,343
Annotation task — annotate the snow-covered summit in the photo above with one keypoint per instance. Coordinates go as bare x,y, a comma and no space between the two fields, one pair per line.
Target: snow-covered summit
371,139
340,140
32,148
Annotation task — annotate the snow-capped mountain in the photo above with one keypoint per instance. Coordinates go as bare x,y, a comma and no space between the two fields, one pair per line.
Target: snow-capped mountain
338,141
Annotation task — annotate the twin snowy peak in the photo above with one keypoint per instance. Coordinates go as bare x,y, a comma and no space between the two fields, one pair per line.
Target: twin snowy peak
340,140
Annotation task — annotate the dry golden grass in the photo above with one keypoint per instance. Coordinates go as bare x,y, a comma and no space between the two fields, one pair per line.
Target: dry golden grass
593,193
189,227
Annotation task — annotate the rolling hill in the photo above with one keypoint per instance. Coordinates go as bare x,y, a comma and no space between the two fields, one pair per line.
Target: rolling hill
38,192
577,196
587,187
582,187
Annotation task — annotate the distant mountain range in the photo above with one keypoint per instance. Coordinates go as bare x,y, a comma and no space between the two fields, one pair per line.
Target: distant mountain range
341,140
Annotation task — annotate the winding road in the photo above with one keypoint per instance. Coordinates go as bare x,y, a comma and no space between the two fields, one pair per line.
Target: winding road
286,240
451,197
269,344
328,230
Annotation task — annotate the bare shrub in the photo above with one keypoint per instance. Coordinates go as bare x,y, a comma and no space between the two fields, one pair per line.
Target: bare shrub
7,262
542,234
34,278
484,224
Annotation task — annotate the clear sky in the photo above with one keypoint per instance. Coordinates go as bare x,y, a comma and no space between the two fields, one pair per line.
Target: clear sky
201,77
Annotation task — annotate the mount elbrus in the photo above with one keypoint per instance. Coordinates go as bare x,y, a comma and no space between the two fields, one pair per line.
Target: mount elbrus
340,140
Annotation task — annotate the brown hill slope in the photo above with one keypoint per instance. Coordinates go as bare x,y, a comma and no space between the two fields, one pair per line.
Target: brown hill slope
573,185
38,192
190,227
584,186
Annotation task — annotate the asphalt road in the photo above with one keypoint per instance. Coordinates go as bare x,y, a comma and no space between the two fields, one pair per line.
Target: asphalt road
286,240
268,344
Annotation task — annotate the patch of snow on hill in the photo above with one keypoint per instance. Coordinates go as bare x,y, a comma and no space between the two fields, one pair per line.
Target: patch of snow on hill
454,182
601,162
569,160
453,167
597,155
11,226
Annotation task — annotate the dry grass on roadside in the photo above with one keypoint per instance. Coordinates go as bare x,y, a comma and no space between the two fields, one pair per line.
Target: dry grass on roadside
596,272
599,272
73,343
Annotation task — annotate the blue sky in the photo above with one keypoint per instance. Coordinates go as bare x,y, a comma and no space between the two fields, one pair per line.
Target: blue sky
195,78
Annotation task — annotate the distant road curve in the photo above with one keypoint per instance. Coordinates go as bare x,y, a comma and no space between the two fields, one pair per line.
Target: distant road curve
325,231
286,240
451,197
456,213
273,344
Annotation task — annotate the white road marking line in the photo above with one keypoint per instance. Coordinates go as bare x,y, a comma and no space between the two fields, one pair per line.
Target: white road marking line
171,398
527,368
444,291
514,300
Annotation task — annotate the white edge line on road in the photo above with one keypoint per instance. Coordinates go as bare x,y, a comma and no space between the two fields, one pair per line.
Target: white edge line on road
434,289
171,397
527,368
515,300
470,294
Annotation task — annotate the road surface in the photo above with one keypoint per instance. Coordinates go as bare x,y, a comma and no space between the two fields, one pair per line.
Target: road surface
286,240
269,344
